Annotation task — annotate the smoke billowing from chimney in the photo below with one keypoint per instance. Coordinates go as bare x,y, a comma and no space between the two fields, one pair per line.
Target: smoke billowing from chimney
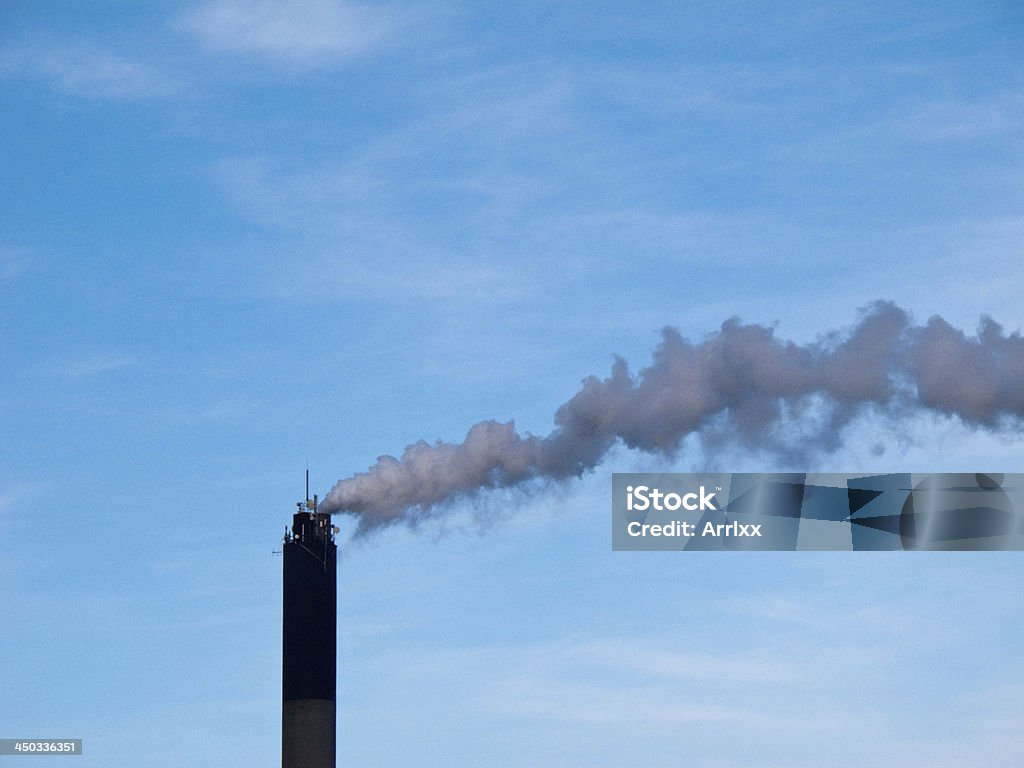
742,380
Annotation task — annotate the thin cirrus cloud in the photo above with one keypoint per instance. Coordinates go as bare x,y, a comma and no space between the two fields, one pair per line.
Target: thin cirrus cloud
302,33
96,365
13,264
16,496
92,72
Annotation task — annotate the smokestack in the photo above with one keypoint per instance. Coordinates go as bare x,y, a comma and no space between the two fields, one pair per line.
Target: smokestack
309,657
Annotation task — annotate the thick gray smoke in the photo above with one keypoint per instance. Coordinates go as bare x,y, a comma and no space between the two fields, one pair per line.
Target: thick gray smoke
741,381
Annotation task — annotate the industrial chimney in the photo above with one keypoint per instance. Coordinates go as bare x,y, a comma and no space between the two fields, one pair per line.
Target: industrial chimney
309,664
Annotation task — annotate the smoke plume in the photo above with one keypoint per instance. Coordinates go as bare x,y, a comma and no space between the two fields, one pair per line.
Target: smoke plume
741,381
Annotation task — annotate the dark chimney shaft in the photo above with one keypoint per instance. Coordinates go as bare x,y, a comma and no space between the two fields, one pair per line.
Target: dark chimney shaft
309,659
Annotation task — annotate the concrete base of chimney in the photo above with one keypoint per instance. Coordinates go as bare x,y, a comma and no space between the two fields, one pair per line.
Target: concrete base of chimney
307,726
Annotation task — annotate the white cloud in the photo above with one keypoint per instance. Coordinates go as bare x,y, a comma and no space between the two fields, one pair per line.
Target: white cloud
14,496
90,366
952,120
792,701
304,33
94,73
978,121
13,264
87,71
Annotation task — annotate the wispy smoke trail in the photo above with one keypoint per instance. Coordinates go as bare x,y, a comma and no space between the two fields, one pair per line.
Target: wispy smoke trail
742,378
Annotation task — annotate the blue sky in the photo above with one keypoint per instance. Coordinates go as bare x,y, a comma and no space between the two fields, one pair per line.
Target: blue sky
240,237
